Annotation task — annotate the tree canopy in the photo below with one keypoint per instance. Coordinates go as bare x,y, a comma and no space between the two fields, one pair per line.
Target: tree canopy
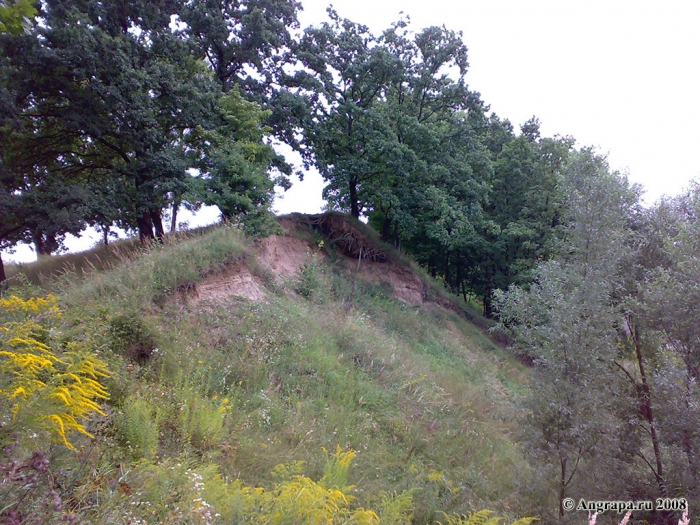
138,109
110,117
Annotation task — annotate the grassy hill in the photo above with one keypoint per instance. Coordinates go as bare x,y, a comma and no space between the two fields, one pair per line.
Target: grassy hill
230,357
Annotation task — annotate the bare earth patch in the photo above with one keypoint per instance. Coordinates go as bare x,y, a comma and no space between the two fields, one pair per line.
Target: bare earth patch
406,284
283,255
236,280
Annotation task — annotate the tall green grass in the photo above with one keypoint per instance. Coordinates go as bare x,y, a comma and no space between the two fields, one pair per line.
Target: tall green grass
156,274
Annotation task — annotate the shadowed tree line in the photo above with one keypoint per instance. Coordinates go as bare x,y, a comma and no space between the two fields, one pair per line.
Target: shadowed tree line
611,324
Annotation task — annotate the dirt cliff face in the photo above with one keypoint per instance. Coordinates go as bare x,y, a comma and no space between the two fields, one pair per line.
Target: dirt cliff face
235,280
282,256
406,284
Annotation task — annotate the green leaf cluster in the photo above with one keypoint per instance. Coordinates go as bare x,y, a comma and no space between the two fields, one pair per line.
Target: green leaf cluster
16,16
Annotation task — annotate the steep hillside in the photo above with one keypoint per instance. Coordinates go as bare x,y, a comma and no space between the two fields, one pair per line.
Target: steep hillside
229,357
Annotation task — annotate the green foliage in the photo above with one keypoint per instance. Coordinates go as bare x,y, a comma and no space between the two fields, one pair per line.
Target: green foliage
16,16
113,171
157,274
262,31
139,426
342,119
111,114
335,473
234,163
129,114
397,509
129,337
566,321
525,214
312,282
301,500
201,419
660,347
181,493
377,120
609,324
411,148
200,495
410,389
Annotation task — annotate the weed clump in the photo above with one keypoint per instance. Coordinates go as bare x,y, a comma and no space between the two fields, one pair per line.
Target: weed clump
130,337
311,283
46,388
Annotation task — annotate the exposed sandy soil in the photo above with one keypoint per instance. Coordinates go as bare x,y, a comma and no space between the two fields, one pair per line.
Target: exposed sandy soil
377,265
283,255
236,280
407,285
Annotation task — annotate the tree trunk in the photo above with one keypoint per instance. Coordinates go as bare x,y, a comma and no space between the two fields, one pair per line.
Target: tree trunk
105,235
173,221
562,487
44,244
649,413
145,226
458,278
447,270
688,437
691,455
354,204
488,307
3,277
157,222
386,229
397,239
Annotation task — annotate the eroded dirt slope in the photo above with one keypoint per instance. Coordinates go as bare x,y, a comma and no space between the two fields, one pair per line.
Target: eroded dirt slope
282,256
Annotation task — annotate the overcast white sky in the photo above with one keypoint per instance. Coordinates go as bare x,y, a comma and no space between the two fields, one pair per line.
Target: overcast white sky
623,76
620,75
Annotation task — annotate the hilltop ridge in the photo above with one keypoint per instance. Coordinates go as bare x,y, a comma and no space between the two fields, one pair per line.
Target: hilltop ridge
351,245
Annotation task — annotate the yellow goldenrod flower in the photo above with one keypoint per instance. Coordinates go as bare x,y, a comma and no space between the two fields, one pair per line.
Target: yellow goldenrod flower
57,390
